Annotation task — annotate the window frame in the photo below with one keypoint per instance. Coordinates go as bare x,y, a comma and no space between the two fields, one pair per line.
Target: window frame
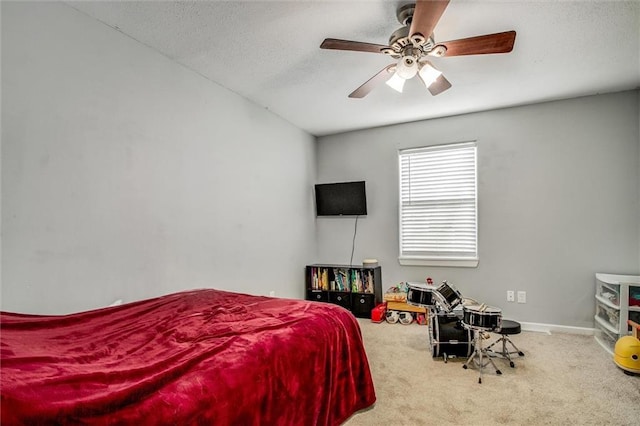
441,258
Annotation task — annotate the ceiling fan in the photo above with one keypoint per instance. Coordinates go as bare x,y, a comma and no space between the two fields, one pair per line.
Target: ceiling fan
414,42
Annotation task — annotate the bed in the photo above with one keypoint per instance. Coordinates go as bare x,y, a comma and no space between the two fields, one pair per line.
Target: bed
196,357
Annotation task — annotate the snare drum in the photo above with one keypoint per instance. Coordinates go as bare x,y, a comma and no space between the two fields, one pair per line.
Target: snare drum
419,294
448,296
482,317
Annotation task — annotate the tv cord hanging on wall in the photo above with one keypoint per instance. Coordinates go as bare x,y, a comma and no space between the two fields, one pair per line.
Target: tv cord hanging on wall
353,244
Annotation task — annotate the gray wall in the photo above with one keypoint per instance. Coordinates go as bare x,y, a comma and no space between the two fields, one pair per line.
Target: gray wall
125,175
558,195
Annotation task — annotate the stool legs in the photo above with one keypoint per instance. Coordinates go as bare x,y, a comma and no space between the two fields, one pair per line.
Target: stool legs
504,339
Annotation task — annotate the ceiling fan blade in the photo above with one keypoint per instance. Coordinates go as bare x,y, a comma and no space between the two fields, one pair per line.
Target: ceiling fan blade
357,46
374,81
426,15
440,85
481,45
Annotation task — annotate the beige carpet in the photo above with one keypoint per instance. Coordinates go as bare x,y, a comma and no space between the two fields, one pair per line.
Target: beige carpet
563,379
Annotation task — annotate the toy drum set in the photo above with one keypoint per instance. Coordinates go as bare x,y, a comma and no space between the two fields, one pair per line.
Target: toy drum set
449,334
448,337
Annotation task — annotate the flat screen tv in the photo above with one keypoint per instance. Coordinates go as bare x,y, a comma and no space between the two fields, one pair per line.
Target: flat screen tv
341,199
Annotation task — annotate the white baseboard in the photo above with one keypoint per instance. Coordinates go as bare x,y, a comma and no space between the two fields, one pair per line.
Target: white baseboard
549,328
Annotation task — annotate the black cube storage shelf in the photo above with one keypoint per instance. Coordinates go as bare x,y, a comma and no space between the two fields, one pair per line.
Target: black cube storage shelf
356,288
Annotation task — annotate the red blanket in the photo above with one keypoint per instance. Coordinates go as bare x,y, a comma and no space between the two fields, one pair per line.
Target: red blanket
198,357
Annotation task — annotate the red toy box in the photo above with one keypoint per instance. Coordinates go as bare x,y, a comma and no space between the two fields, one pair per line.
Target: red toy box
378,313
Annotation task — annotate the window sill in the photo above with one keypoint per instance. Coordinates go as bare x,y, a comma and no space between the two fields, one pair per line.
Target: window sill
455,263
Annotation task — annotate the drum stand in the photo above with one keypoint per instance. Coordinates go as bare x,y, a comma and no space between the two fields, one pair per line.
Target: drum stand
479,352
431,316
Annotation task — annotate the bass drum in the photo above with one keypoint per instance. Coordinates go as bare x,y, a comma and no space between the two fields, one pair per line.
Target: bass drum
449,338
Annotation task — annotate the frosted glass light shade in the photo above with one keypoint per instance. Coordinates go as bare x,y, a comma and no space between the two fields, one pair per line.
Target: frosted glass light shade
428,73
396,82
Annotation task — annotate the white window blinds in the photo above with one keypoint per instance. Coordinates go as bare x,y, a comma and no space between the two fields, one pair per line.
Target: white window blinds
438,205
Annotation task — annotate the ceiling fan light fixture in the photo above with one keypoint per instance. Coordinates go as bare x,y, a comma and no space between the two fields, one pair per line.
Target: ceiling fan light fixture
428,73
407,67
396,82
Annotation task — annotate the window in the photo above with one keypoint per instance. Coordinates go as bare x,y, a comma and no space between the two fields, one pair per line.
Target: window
438,205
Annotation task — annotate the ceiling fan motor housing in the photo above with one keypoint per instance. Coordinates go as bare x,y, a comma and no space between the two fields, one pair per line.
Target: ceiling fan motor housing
400,39
405,13
405,16
400,42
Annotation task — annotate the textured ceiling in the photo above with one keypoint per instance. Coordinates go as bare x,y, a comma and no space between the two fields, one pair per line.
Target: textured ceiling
268,52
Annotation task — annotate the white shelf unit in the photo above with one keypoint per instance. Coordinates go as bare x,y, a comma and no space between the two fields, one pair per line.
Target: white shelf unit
617,300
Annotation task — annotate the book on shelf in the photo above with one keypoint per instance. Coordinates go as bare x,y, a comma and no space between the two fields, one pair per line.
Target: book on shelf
319,278
342,279
369,285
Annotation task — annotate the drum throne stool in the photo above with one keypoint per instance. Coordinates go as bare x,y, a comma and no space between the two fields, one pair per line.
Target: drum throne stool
507,328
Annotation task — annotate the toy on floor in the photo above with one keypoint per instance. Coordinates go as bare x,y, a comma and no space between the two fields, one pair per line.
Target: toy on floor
396,293
404,313
392,317
626,353
379,312
405,317
397,309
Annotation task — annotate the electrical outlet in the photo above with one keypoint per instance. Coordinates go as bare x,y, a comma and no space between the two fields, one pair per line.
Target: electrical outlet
522,297
511,296
272,293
